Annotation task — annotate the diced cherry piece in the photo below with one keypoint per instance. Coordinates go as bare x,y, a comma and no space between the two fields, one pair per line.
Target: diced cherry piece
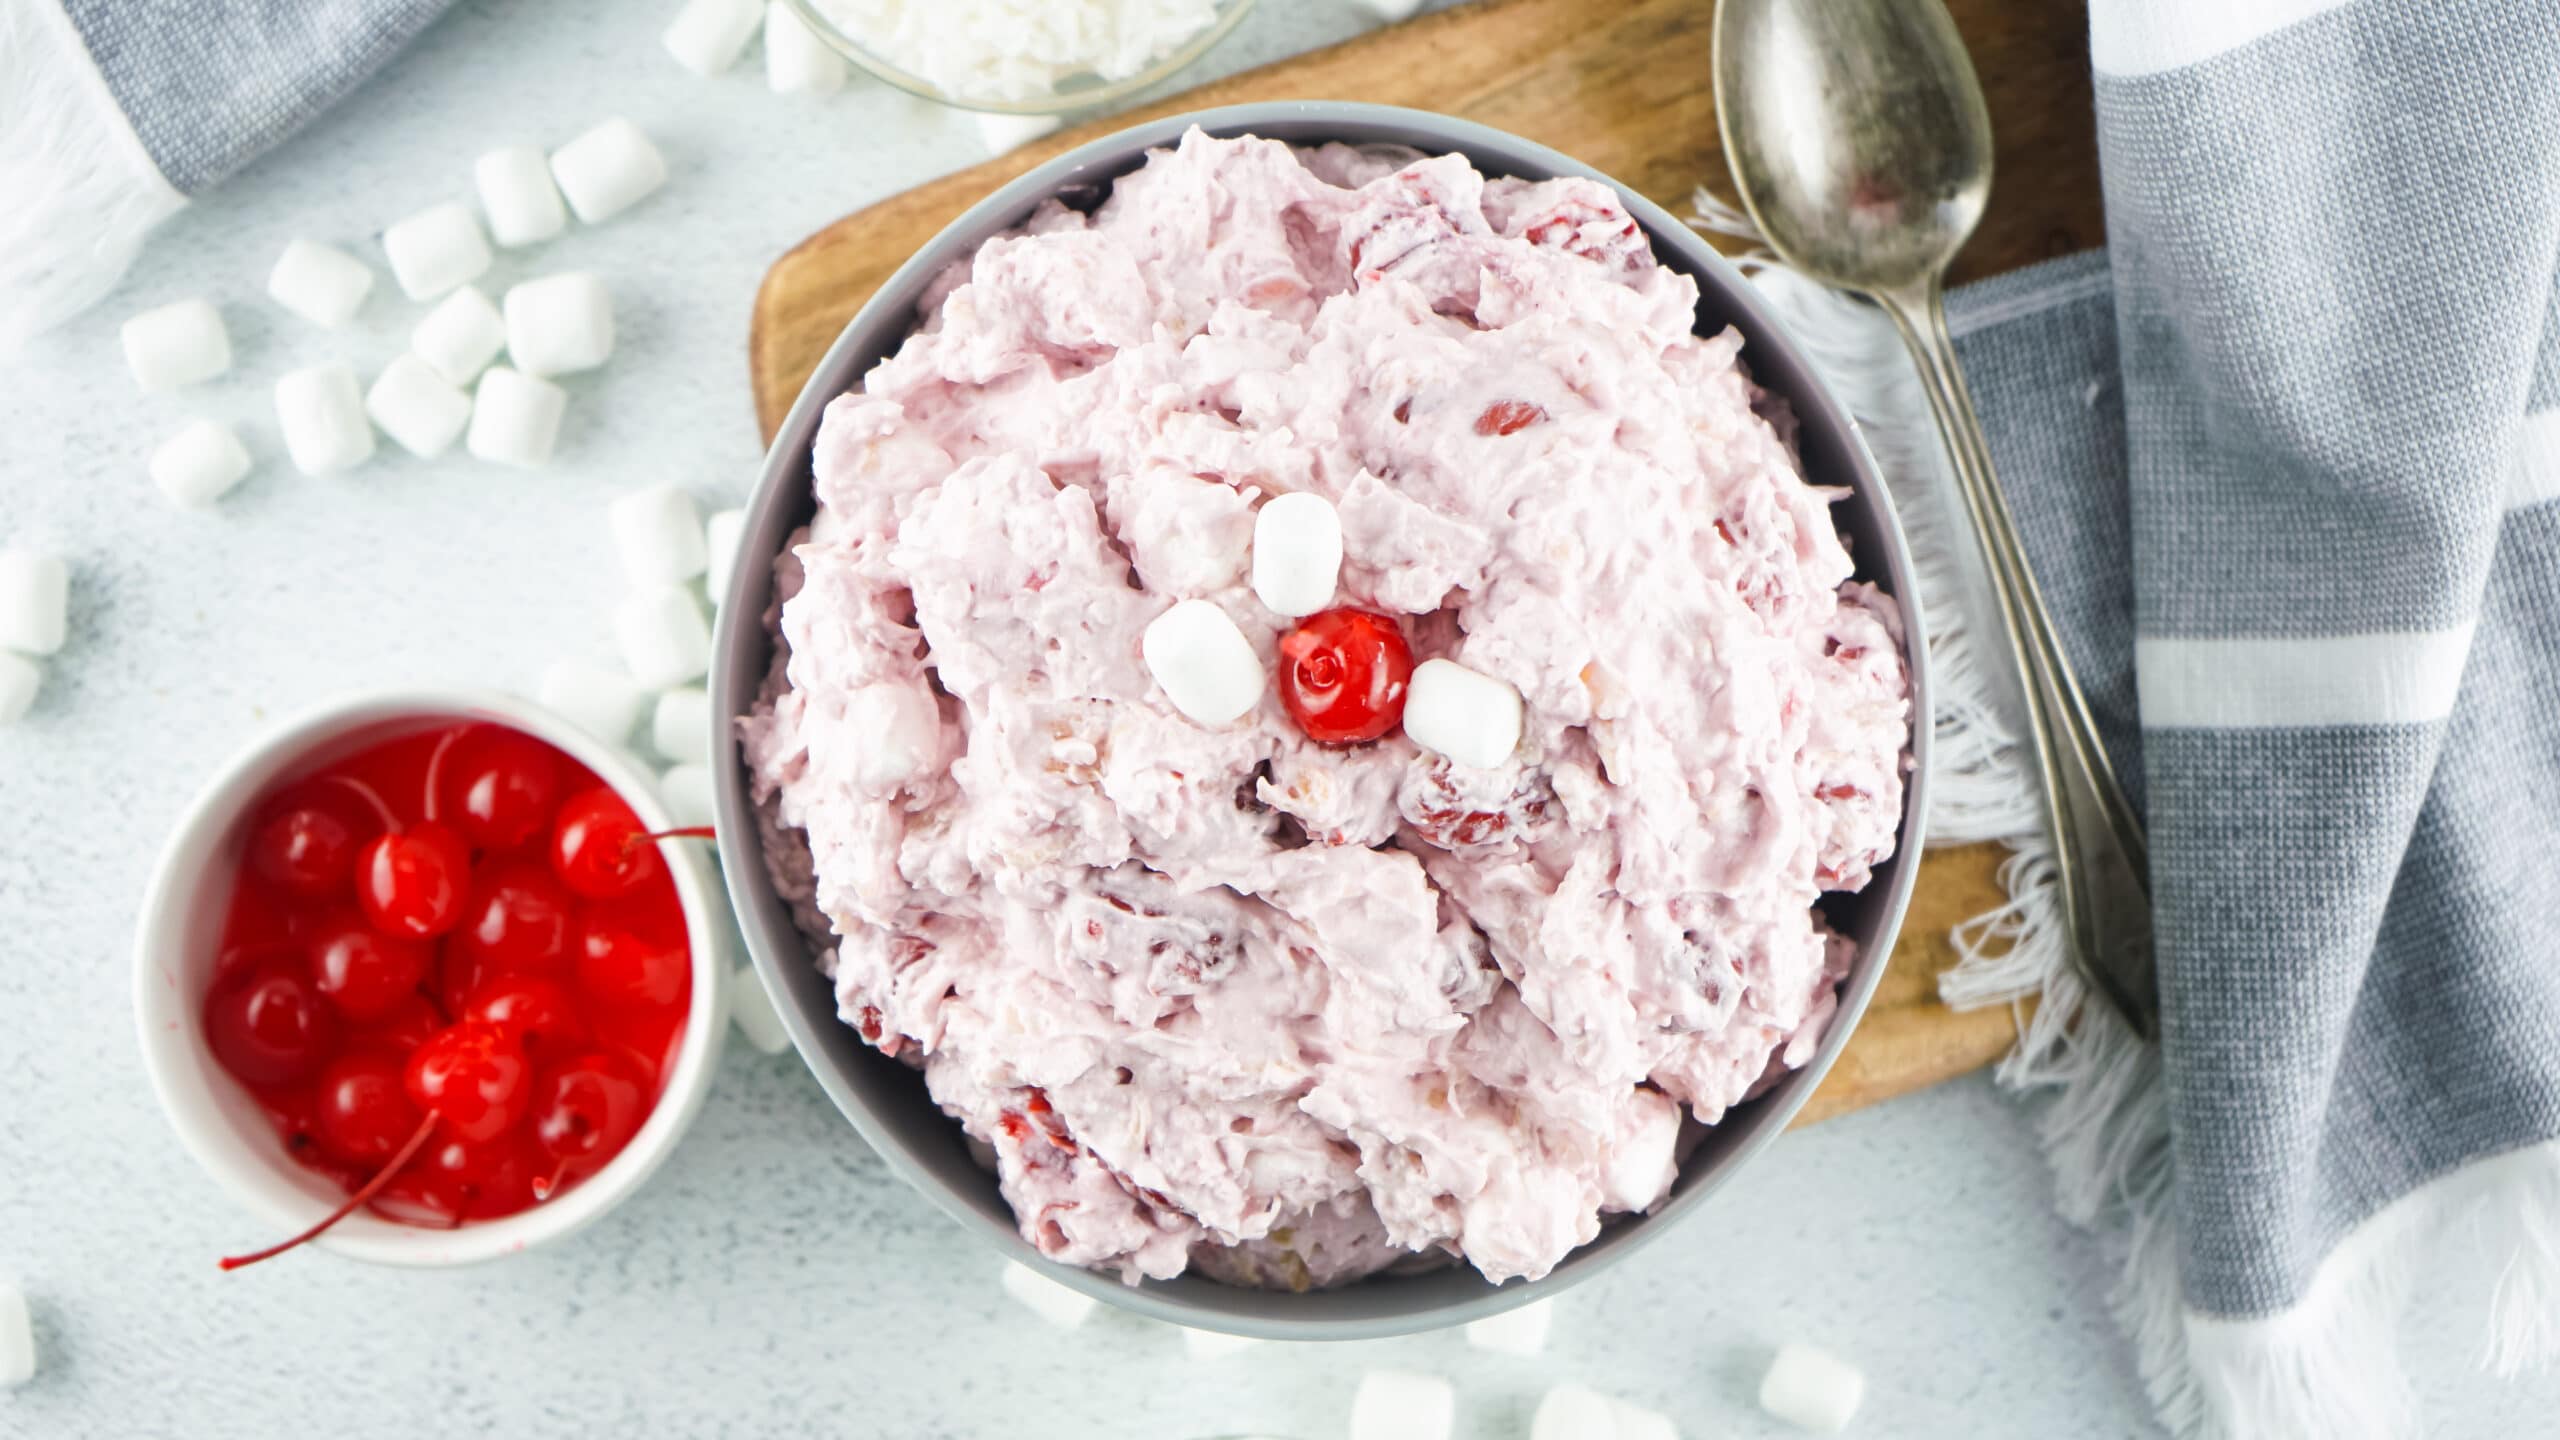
402,1028
362,971
473,1077
1508,417
600,849
587,1109
1343,676
499,787
412,884
515,917
540,1012
631,960
267,1023
363,1113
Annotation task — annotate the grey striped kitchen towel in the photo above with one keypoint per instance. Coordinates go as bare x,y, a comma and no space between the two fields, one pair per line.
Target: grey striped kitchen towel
2288,460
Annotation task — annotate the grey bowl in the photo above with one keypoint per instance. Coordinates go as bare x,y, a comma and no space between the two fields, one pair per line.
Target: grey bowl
886,1101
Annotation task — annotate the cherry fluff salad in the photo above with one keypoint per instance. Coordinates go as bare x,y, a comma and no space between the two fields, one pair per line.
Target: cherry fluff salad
1317,711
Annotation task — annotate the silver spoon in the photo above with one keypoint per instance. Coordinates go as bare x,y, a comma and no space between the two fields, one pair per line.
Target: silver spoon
1858,136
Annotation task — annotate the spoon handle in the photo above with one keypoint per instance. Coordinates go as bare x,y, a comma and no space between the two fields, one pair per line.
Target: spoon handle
2100,856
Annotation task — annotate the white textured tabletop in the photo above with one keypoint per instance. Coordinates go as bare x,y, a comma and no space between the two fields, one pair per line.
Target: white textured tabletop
773,1280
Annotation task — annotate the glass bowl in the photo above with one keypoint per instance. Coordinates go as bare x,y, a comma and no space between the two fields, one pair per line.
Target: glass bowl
1076,91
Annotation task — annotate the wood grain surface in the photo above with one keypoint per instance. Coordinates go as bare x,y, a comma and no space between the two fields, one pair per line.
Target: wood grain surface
1623,85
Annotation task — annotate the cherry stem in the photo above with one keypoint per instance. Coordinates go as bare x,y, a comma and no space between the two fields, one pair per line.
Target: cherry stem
372,797
543,1187
689,832
435,770
372,1187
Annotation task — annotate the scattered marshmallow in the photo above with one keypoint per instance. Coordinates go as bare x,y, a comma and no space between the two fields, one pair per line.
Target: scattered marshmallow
1637,1423
1058,1304
1468,716
199,464
35,601
177,344
687,791
1002,134
20,679
17,1338
1214,1344
515,419
461,336
1521,1330
1206,666
320,283
720,550
435,250
903,728
751,1010
516,191
1297,553
559,324
596,699
608,170
796,61
1812,1388
416,408
680,728
322,416
659,534
664,639
1400,1405
1573,1412
708,36
1390,11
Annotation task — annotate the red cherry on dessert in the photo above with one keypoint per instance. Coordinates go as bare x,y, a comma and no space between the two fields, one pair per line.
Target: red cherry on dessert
542,1013
1343,675
586,1110
501,787
363,1112
472,1076
411,883
629,960
515,917
363,972
600,849
266,1022
306,850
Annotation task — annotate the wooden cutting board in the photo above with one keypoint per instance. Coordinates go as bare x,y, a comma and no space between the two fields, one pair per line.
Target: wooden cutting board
1623,85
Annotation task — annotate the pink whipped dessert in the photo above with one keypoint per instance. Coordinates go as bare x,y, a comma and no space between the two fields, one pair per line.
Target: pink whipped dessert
1220,995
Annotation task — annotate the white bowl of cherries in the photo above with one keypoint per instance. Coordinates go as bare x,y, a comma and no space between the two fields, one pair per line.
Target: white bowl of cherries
426,978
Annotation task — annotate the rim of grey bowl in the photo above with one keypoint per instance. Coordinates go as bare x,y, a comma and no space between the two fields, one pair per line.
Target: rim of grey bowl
886,1101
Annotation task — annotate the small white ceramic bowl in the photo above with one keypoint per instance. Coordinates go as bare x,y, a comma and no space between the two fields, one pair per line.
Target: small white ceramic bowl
178,939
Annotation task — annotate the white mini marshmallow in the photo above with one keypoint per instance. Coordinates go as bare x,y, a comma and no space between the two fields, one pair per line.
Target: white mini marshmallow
460,336
516,192
1003,134
1573,1412
515,418
1400,1405
1297,553
608,170
1206,666
1637,1423
1390,11
20,679
17,1338
596,698
680,728
436,249
199,464
1470,717
321,414
897,735
658,532
35,602
1056,1303
708,36
687,791
796,61
664,639
177,344
416,408
720,550
320,283
1812,1388
1214,1344
751,1010
1521,1330
559,324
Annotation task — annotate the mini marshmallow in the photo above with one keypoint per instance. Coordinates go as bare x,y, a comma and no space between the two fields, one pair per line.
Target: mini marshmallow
1812,1388
1400,1405
515,419
17,1338
664,639
659,534
720,550
751,1010
1059,1305
680,728
199,464
322,416
796,61
560,324
1206,666
435,250
1390,11
1472,718
177,344
1521,1330
515,188
595,698
20,679
35,602
1637,1423
708,36
687,791
320,283
460,336
1003,134
416,408
900,732
608,170
1297,553
1573,1412
1214,1344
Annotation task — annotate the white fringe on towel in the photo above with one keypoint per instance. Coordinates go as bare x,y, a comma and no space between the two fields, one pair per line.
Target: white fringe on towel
80,192
2329,1365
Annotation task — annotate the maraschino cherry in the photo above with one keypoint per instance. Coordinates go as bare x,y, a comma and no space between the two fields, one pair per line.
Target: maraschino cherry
1343,675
